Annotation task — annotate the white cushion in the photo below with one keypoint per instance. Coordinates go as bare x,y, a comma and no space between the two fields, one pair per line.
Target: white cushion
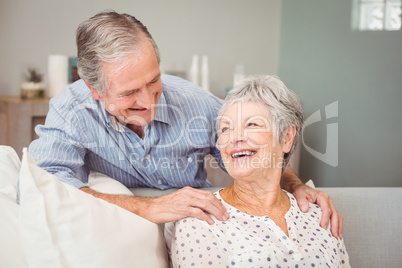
11,252
104,184
311,184
61,226
9,170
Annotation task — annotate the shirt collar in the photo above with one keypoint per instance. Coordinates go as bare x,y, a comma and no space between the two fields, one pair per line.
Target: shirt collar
162,112
110,120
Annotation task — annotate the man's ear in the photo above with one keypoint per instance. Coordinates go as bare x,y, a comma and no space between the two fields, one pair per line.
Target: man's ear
288,138
95,93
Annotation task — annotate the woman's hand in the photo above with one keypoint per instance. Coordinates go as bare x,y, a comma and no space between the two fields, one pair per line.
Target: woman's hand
305,194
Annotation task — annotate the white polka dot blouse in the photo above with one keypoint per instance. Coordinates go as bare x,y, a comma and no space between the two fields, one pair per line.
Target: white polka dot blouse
255,241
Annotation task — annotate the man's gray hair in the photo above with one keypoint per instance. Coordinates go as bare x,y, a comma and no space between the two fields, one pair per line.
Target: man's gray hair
283,104
107,38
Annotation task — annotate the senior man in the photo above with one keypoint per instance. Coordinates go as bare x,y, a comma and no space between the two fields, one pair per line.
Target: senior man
144,129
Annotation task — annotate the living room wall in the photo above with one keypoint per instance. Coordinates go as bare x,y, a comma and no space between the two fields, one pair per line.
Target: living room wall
326,62
228,31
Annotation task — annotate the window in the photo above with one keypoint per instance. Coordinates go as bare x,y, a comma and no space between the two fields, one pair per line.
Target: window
377,15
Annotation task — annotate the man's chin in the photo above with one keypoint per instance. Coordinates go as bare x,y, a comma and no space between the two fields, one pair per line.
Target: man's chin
139,118
141,121
137,123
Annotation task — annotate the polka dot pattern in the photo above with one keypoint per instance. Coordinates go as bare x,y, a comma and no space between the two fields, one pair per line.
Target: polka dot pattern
255,241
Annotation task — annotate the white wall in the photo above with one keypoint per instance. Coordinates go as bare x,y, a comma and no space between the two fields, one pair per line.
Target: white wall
324,61
228,31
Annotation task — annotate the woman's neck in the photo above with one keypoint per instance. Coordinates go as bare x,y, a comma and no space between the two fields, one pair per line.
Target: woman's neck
255,199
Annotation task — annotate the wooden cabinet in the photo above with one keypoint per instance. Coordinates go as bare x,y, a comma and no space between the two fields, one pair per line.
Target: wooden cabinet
18,119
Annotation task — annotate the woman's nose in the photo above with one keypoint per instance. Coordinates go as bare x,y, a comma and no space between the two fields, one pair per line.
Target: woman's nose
239,135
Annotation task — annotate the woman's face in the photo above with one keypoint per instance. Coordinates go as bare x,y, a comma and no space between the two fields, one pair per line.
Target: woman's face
247,141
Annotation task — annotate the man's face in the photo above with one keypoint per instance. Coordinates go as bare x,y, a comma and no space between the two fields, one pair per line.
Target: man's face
135,89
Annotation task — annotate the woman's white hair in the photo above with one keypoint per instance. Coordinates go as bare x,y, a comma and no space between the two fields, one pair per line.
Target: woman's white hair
107,38
283,104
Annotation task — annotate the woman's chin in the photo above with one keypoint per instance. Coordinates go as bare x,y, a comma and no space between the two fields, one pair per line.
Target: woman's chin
240,173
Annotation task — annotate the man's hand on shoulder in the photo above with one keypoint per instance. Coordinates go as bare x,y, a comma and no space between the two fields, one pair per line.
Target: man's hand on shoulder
183,203
305,194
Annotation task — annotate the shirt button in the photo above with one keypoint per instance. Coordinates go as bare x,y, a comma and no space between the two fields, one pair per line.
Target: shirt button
190,160
148,156
159,182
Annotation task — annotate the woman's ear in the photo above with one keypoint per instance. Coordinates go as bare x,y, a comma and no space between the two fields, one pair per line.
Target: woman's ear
95,93
288,138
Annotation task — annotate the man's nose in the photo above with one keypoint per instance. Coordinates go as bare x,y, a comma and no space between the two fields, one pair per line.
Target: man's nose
145,99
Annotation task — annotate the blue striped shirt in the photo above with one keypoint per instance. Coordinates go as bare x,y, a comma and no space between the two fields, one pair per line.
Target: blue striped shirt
80,136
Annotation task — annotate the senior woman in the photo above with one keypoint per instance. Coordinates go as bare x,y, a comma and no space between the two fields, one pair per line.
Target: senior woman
258,127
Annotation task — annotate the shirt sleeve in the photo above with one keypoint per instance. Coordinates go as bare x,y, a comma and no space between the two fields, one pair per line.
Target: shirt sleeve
59,149
216,105
193,244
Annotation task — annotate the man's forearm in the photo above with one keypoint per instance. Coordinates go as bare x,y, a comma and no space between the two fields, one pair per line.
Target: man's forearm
289,180
183,203
136,205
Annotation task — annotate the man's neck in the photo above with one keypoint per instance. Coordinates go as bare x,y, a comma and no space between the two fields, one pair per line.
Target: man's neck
139,130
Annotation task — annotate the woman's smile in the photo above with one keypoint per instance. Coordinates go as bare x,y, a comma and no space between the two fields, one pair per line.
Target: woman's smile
242,153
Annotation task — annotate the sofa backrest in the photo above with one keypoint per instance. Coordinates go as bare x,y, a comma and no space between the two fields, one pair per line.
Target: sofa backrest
372,224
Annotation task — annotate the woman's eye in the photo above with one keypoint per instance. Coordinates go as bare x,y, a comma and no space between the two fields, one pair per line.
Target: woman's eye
224,129
252,125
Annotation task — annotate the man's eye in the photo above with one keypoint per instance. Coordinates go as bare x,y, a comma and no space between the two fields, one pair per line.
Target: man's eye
252,125
130,93
155,80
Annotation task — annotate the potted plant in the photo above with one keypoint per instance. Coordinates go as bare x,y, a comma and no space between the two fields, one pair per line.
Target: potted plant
33,87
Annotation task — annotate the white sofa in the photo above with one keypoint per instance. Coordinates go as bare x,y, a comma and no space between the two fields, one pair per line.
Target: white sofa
372,226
